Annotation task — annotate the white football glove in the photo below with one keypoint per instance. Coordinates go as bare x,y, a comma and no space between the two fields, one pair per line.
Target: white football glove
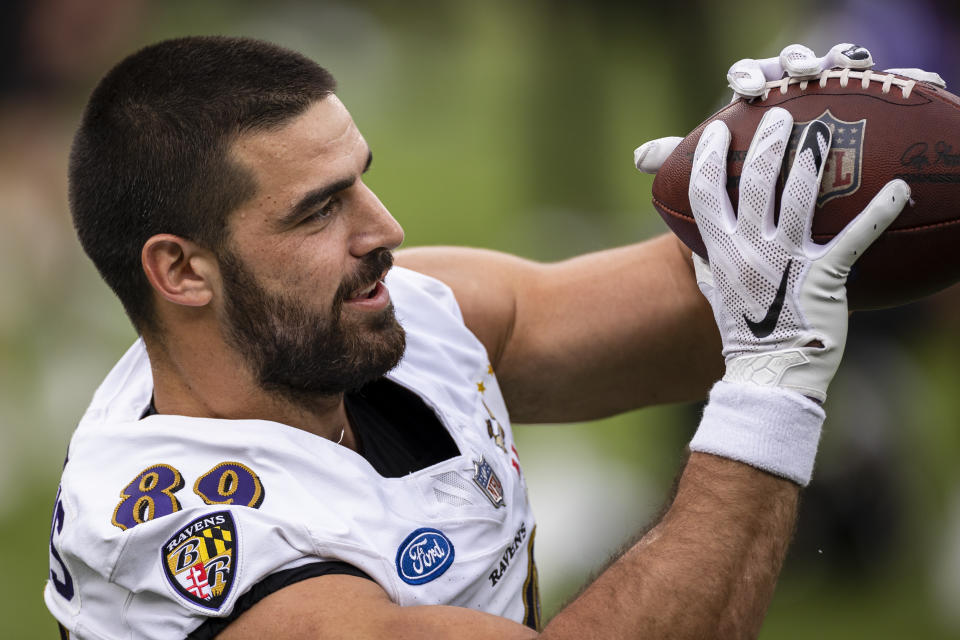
747,77
779,299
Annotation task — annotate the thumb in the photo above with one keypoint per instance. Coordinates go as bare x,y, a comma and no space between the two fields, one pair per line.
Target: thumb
704,277
860,232
650,156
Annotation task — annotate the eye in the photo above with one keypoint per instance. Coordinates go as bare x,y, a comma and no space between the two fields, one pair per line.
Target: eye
324,212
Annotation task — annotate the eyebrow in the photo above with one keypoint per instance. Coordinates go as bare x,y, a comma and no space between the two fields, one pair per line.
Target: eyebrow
315,197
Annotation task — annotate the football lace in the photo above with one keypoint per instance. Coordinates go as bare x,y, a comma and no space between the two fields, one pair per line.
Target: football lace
844,75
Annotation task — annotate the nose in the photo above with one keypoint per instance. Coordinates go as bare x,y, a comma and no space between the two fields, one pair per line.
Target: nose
375,226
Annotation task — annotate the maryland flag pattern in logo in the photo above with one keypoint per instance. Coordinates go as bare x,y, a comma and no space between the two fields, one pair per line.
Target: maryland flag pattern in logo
200,560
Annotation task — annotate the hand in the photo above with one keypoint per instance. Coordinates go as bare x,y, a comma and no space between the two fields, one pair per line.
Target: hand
779,299
747,77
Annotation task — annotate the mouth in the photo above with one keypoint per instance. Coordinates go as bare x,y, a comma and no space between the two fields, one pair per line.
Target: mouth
371,291
366,292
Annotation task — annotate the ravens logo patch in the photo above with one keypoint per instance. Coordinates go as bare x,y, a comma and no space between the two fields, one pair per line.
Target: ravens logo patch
199,560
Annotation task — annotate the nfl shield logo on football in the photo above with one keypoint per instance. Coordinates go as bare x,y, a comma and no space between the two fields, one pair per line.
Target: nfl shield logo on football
490,485
841,173
200,560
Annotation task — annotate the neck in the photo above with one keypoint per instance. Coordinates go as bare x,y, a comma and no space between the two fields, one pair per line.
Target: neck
197,375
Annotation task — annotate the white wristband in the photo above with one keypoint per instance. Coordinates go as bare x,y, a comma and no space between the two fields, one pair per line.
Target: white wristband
770,428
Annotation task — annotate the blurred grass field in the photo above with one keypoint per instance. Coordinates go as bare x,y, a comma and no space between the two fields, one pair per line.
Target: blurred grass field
511,126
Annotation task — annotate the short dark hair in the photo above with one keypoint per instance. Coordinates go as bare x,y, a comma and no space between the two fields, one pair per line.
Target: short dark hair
151,153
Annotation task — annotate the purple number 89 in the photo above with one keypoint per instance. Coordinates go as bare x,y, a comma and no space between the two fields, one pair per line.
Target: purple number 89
230,483
151,494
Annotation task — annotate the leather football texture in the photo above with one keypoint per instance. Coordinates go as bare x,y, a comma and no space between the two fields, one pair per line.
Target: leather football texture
884,126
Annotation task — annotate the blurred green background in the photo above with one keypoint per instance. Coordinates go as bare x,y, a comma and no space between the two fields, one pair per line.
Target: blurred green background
508,125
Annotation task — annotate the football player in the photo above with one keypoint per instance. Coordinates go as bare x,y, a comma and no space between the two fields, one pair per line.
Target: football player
309,442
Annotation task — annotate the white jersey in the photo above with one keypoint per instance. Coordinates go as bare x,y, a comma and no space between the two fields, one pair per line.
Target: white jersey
165,521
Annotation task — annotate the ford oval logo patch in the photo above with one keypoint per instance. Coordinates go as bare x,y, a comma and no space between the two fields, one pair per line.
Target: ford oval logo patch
424,556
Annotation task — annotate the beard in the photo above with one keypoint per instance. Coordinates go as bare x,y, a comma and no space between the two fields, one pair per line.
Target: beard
304,354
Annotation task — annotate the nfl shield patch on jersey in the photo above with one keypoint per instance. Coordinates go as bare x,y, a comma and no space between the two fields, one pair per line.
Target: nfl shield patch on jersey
200,560
486,478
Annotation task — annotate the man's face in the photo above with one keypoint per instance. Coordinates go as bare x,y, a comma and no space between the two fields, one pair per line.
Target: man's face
303,301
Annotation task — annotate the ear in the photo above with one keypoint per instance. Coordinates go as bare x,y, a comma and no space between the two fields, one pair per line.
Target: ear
179,270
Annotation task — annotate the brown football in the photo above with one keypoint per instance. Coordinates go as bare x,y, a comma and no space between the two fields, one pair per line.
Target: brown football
884,127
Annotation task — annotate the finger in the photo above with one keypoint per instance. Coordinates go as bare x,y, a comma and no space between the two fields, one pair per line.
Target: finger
758,181
748,77
920,75
800,191
708,183
848,56
799,61
860,232
650,156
